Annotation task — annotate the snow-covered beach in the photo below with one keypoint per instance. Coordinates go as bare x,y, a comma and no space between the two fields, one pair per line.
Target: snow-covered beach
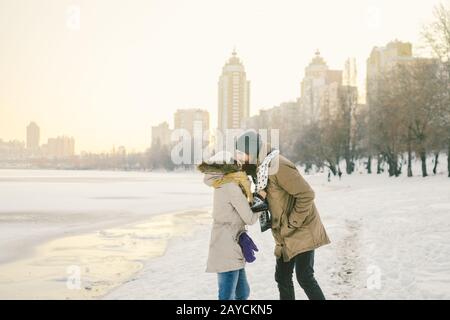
137,235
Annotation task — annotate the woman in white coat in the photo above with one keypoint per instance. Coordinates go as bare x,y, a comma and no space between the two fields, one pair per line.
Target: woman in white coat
231,213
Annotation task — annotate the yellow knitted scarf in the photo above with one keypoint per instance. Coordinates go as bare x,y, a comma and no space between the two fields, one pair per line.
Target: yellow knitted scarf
240,178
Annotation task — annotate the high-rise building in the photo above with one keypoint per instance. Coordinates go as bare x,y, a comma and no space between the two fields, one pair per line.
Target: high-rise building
319,90
11,150
234,95
283,118
59,147
383,58
161,134
33,136
195,121
349,77
380,62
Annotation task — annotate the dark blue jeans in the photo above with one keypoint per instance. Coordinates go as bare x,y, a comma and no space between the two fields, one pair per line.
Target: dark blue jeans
304,270
233,285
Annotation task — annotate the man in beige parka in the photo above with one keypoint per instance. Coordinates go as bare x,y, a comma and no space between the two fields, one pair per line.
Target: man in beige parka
296,224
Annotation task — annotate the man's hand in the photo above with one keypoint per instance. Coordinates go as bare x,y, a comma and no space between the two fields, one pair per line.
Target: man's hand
259,203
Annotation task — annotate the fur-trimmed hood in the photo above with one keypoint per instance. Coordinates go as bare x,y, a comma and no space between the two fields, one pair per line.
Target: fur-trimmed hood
215,171
218,168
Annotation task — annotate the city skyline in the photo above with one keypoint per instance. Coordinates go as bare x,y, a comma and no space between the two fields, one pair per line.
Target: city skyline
62,80
318,81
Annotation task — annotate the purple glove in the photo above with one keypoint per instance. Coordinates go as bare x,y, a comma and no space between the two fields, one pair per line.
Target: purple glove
248,247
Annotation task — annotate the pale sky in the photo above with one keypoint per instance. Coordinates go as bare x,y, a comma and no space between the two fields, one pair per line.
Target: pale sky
131,64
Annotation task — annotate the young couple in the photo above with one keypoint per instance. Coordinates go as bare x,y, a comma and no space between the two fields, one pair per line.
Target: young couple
294,219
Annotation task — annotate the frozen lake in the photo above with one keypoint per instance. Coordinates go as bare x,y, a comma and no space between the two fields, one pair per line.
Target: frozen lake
68,191
36,205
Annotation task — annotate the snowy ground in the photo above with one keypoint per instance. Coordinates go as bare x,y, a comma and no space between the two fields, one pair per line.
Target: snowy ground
390,236
390,240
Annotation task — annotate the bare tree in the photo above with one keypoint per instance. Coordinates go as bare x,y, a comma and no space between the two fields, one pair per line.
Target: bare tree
436,36
386,132
419,97
348,101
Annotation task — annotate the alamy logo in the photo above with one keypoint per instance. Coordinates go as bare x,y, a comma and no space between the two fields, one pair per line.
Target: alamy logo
194,148
374,279
74,277
73,17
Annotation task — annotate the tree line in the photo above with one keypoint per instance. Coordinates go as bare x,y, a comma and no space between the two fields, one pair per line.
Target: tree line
409,115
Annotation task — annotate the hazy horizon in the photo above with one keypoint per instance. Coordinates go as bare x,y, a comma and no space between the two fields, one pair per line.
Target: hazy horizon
131,65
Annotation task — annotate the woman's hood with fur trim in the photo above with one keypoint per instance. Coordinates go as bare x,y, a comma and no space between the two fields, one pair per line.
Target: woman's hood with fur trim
214,171
218,168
